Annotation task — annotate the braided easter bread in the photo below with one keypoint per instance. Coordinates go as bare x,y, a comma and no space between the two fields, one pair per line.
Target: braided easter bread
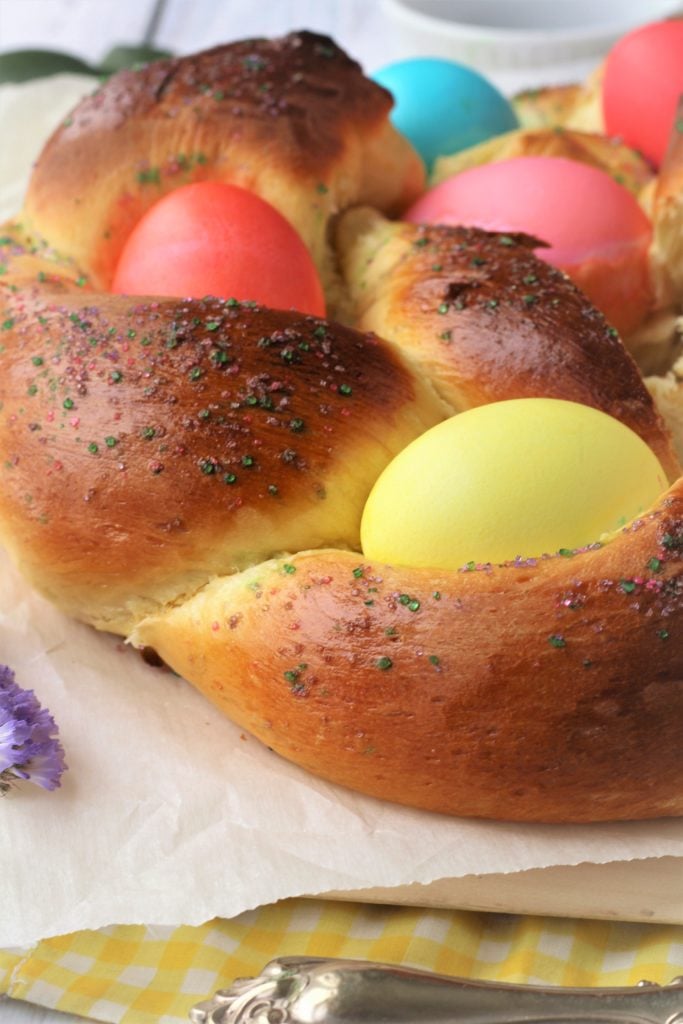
191,473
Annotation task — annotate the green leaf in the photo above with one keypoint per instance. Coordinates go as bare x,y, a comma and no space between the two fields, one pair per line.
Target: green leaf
23,65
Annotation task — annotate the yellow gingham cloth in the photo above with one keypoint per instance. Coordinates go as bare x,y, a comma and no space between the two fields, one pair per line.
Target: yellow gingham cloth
152,975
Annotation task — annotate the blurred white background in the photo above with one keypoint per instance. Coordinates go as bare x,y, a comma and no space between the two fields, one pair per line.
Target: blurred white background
89,28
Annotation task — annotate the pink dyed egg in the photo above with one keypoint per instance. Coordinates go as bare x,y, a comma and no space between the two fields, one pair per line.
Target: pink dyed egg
593,227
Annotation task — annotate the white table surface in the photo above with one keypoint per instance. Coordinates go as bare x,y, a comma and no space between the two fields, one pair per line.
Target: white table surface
89,28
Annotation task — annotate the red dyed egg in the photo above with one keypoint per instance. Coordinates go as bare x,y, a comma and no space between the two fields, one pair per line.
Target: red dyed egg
216,239
594,228
642,85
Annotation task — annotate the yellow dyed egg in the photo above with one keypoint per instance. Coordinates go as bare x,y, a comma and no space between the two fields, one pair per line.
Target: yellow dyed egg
523,478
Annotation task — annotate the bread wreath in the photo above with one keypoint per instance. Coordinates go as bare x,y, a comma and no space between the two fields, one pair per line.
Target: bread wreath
191,473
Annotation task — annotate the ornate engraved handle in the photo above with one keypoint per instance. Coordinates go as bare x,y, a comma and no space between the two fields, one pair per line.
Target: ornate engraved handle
311,990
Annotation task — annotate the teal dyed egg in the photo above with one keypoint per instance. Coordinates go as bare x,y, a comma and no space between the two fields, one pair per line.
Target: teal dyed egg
443,107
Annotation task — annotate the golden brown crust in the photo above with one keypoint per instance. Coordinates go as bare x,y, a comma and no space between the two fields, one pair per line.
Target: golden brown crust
577,105
293,119
544,690
150,447
667,217
486,320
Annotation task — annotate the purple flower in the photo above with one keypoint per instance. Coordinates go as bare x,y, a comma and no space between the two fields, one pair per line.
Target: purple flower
29,748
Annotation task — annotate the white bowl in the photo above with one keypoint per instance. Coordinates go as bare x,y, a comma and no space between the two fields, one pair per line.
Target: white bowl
535,41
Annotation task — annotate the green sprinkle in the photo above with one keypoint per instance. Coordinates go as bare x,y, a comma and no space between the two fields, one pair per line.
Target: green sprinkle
116,376
248,460
437,267
492,303
358,572
557,641
437,595
434,660
93,448
8,324
477,261
229,478
291,675
506,240
655,564
147,433
204,414
566,552
391,631
297,425
110,441
31,389
529,300
663,634
220,358
37,360
195,373
443,308
628,586
419,243
414,605
232,302
289,569
613,332
530,279
212,325
68,403
145,341
370,602
345,389
321,188
207,466
320,332
81,281
130,333
150,176
446,335
384,663
273,489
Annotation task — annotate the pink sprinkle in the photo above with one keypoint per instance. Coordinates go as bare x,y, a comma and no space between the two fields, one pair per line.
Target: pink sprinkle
75,421
215,626
50,416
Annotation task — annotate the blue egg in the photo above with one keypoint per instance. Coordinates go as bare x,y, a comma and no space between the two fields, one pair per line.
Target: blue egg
443,107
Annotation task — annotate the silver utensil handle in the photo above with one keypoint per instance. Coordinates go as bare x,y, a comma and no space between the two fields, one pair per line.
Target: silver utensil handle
312,990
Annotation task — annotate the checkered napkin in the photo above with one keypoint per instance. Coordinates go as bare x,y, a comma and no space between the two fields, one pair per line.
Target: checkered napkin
152,975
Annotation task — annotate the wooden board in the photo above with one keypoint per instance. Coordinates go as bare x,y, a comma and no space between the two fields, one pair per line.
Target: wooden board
649,890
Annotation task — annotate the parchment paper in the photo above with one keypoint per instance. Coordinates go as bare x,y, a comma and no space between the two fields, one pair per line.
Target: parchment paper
168,813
